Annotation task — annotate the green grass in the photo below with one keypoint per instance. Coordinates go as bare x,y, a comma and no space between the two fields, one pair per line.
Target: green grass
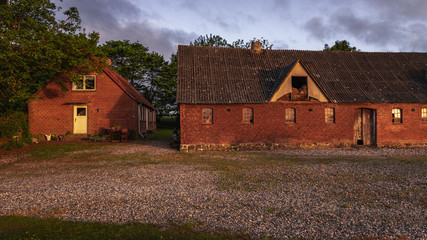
16,227
161,134
60,150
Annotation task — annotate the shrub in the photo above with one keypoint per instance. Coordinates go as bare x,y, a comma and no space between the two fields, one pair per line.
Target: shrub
12,123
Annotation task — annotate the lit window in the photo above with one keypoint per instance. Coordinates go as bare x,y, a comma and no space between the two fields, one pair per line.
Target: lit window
396,115
290,115
248,115
424,115
329,115
207,115
85,84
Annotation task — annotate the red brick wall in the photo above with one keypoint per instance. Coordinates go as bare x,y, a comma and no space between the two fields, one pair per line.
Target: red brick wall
270,127
52,111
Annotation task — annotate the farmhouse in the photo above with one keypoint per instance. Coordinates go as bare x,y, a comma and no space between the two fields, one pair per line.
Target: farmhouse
97,102
256,98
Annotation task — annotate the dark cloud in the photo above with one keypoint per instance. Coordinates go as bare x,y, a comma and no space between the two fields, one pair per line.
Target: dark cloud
118,20
398,25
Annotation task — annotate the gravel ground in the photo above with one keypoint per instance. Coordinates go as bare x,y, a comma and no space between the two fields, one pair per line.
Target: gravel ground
380,198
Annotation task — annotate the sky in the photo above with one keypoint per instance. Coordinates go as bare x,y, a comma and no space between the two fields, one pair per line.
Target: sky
162,25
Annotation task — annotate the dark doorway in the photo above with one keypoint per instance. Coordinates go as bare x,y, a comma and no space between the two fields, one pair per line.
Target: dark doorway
365,127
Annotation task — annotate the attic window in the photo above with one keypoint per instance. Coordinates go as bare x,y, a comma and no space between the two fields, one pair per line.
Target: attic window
299,88
87,83
424,115
396,115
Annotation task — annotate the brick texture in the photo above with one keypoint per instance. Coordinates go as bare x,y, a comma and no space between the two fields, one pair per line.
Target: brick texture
51,112
269,124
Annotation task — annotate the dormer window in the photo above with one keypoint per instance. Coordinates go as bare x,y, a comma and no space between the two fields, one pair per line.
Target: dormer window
87,83
299,89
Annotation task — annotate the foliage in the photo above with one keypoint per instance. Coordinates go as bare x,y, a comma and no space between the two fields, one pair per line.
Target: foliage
218,41
148,72
35,47
13,123
211,41
15,227
343,45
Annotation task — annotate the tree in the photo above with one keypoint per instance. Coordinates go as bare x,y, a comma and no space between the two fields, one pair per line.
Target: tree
217,41
35,47
240,43
148,72
341,46
211,41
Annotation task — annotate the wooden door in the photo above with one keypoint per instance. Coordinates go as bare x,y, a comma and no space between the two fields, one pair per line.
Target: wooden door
365,127
80,120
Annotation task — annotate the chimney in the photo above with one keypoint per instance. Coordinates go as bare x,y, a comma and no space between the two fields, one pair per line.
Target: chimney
256,46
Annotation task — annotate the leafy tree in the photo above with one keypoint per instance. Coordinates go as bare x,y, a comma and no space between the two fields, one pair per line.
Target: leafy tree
35,47
148,72
218,41
341,46
211,41
240,43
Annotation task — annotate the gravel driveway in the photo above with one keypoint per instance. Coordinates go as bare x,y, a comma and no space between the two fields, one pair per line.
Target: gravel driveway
361,193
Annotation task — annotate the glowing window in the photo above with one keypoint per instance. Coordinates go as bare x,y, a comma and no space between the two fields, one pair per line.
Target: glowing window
329,115
396,115
290,115
248,115
207,115
424,115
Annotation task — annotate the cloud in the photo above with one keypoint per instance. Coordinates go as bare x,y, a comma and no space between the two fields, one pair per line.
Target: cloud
402,29
119,20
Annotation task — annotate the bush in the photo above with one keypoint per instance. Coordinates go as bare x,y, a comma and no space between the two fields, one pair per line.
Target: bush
13,123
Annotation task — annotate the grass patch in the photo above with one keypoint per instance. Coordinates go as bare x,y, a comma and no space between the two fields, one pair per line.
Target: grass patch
16,227
161,134
55,151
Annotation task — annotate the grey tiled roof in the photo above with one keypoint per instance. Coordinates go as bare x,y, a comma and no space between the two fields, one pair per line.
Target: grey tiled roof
214,75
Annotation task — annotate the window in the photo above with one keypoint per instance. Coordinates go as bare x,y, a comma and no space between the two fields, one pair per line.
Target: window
290,115
424,115
329,115
299,89
85,84
396,115
248,115
207,115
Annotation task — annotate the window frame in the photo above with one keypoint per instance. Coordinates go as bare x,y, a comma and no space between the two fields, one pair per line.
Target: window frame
396,119
290,115
424,115
329,115
248,115
207,116
84,84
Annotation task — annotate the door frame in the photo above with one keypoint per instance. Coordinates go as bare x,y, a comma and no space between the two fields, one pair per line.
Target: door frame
75,118
365,126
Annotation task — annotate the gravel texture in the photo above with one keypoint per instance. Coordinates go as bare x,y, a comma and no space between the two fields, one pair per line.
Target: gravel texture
376,198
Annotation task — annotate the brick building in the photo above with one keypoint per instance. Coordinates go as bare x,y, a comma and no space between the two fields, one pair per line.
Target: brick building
100,101
231,97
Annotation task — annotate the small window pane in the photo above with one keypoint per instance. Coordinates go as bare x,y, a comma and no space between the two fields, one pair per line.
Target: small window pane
81,111
207,116
424,115
290,115
78,84
90,82
248,115
396,115
329,115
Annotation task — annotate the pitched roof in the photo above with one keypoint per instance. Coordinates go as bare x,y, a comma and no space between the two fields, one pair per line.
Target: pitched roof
215,75
127,87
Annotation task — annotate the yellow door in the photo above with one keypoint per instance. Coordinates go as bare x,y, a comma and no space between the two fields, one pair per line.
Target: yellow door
80,119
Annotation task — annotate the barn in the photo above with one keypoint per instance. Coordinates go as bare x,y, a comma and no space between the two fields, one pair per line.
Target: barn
234,98
97,102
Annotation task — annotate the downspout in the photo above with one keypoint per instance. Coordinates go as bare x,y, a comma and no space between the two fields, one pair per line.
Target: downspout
139,121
